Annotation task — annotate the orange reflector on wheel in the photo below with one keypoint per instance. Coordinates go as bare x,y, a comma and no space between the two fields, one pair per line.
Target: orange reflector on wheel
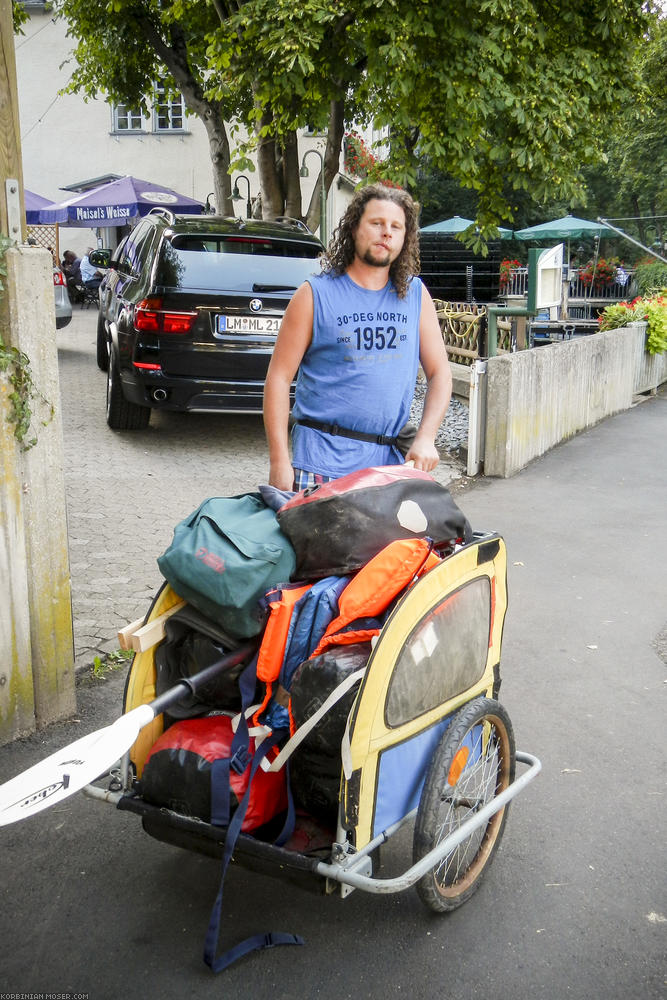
459,762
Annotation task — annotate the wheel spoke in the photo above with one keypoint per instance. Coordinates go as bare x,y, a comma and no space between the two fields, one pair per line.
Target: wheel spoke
481,733
476,786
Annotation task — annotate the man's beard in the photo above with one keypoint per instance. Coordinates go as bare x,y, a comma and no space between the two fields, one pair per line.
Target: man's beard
368,258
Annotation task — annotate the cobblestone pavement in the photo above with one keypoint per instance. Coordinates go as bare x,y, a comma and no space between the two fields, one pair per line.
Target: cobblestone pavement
126,491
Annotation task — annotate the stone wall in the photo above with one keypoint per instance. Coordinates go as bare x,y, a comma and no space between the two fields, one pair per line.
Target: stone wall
536,399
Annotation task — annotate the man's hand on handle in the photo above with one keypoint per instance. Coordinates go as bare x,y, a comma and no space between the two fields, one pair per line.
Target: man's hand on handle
423,454
281,475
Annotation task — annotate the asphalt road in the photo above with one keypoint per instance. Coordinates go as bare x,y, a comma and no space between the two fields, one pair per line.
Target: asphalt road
575,903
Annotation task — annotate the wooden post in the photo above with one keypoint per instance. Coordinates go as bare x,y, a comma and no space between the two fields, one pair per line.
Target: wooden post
17,711
10,133
36,648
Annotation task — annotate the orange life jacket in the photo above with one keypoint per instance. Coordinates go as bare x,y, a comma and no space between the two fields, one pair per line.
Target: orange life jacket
367,595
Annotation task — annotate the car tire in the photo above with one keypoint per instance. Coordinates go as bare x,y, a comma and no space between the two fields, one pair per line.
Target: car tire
122,415
102,345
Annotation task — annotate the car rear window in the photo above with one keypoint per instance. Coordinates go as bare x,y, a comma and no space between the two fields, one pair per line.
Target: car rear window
239,263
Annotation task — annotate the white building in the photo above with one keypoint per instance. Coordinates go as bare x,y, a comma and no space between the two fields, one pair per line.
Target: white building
67,143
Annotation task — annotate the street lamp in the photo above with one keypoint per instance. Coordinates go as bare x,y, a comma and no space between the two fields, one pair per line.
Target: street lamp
209,209
237,196
323,194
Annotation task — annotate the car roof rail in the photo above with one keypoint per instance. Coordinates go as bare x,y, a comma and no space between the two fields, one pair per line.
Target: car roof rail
165,213
297,223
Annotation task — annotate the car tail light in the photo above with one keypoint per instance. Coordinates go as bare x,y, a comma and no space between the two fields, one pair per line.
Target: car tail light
147,366
178,322
59,278
147,315
150,317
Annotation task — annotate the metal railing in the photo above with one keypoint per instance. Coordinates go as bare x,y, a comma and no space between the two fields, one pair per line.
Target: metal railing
616,291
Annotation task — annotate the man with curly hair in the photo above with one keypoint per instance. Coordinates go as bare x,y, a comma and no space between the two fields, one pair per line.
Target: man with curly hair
357,333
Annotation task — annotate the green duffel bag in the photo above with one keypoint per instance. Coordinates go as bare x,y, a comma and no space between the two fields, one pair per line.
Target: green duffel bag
225,556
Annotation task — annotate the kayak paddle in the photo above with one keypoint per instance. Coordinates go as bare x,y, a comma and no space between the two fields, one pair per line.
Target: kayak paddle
70,769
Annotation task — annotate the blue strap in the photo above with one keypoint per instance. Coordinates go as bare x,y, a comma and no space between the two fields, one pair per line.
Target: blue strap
239,756
290,818
220,792
257,941
239,759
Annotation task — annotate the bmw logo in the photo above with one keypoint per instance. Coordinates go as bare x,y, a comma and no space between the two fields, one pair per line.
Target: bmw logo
256,305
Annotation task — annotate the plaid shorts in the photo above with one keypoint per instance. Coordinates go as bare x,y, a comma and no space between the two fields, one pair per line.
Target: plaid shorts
303,479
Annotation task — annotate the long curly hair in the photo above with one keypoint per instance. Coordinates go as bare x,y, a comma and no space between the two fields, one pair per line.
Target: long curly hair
340,252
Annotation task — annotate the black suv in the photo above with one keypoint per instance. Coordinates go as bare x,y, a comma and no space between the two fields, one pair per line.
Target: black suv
189,312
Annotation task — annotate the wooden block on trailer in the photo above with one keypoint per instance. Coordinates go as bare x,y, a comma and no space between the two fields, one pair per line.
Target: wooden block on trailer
125,634
140,637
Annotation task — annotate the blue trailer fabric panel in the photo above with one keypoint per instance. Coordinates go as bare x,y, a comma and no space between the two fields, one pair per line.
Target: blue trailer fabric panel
401,776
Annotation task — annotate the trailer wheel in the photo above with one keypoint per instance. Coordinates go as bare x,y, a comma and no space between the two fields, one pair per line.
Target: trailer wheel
473,762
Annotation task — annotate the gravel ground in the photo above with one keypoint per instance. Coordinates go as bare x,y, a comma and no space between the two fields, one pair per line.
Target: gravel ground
454,428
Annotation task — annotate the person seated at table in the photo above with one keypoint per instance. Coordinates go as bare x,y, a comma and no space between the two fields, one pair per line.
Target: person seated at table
71,267
90,276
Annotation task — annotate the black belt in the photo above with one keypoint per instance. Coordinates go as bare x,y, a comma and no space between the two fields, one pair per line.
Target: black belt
337,431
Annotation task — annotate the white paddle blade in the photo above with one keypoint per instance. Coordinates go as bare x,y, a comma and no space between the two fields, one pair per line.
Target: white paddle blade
70,769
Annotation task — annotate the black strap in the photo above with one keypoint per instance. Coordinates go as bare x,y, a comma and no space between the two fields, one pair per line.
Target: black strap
337,431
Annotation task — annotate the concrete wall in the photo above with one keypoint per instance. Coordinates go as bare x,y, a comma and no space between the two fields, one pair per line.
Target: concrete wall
36,643
650,369
536,399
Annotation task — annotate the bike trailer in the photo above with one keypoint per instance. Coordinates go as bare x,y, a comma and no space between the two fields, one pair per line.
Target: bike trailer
426,739
422,737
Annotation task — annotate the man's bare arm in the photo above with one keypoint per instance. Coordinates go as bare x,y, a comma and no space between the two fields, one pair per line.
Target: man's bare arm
296,331
434,361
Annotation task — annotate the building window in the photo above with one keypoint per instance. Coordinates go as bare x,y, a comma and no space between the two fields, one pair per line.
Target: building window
126,119
168,111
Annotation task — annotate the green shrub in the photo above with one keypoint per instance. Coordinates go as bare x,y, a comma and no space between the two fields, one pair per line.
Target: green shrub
652,309
650,276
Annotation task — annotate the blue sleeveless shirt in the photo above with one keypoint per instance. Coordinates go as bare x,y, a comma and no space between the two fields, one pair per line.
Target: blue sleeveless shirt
359,372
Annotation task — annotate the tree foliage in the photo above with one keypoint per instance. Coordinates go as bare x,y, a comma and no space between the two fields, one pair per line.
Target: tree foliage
494,93
505,97
124,46
19,17
637,145
629,183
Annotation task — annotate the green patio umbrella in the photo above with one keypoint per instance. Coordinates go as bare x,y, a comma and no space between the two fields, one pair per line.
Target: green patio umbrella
457,224
567,228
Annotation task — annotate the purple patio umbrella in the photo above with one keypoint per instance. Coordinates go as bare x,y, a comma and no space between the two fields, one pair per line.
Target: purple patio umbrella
113,204
34,203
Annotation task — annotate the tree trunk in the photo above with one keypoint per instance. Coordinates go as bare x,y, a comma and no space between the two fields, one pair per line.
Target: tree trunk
331,162
658,227
640,225
269,181
279,176
175,58
291,178
219,146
